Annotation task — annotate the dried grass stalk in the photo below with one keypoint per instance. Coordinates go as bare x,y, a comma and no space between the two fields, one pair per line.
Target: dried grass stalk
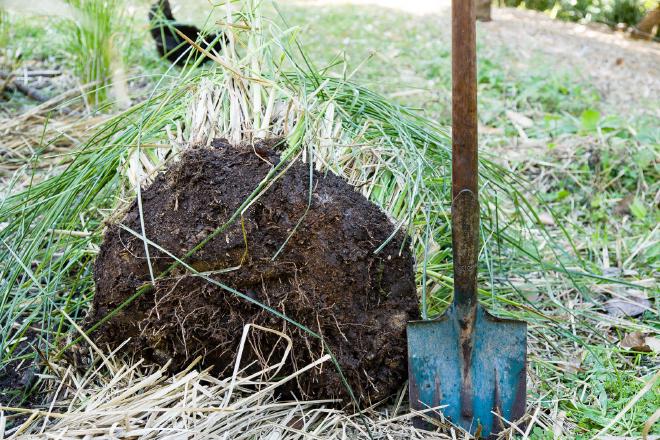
115,397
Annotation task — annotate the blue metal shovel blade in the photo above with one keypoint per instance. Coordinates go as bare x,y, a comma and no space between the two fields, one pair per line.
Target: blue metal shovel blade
497,370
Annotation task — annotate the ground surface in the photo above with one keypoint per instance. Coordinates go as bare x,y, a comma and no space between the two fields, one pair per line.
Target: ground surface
572,107
624,71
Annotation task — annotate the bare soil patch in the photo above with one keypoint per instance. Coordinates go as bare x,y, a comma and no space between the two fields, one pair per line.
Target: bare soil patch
626,72
327,275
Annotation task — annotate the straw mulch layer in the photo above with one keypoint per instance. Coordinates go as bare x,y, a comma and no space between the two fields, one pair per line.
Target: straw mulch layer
111,397
314,262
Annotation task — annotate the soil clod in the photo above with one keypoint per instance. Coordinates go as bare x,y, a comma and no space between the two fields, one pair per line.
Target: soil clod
314,262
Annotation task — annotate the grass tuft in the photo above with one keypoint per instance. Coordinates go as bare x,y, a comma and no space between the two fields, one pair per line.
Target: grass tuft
96,43
5,28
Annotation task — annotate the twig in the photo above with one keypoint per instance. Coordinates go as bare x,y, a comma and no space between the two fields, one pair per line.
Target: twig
22,88
41,73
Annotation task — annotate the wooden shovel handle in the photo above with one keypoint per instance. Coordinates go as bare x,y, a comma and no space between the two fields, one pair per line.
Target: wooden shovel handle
465,210
465,193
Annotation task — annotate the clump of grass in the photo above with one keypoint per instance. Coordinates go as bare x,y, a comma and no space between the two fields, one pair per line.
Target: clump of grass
95,44
5,27
10,53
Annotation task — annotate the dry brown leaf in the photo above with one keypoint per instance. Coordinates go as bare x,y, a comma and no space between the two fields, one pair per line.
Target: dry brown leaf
573,364
653,343
634,304
638,341
623,206
634,341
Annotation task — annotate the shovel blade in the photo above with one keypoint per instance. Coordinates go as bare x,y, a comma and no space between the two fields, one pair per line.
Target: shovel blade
498,371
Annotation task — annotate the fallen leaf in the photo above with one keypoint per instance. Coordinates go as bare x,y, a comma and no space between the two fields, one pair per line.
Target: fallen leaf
638,341
633,305
519,119
634,341
653,343
623,206
573,364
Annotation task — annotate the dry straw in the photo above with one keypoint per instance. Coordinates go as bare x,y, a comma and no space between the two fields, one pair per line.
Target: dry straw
114,397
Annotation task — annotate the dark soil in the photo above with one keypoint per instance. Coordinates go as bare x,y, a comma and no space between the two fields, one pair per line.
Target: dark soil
327,276
18,378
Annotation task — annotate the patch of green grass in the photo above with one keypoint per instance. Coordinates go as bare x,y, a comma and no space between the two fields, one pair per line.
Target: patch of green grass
605,185
599,386
5,28
25,36
96,44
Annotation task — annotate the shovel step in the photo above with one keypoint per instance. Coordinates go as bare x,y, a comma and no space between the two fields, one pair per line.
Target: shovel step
498,371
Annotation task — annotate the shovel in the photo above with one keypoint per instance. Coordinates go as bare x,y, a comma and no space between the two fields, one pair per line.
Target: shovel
468,362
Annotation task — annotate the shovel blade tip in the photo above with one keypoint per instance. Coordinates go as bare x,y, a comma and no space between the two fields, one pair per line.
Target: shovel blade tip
498,371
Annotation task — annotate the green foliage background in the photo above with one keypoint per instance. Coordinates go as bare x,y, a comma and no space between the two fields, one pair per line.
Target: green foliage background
611,12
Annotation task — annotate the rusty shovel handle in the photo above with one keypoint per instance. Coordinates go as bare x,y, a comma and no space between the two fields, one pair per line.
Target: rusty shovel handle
465,195
465,192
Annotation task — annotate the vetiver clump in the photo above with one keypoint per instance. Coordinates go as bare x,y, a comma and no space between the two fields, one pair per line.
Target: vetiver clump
313,262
